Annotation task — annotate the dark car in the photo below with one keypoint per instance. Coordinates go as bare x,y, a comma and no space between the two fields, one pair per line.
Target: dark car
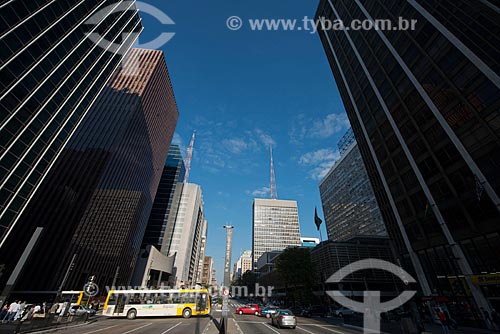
315,311
297,310
268,311
80,310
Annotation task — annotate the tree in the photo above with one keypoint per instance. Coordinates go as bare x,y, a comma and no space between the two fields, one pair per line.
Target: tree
296,269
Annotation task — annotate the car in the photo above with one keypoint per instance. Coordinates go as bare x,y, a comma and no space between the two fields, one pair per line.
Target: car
284,318
315,310
268,311
79,310
343,311
297,310
249,309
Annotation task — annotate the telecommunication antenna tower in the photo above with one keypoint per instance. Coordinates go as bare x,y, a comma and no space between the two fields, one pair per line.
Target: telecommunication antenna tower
189,157
272,188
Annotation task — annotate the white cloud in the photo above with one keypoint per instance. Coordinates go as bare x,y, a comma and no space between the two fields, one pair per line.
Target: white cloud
332,124
315,157
238,145
321,162
265,138
177,139
303,127
261,192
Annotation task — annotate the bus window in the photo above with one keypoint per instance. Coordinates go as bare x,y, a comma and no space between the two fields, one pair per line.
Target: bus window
166,298
176,299
112,299
188,298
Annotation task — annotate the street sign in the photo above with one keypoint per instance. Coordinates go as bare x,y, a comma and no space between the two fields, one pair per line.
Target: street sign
225,305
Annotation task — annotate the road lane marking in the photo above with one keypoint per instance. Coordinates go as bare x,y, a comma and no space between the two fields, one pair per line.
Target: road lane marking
237,326
305,330
274,330
331,330
100,330
168,330
133,330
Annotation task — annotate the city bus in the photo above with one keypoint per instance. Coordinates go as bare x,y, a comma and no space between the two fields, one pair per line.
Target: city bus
157,303
74,297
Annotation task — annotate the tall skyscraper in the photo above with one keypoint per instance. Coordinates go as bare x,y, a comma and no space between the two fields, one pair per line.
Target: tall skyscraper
208,265
275,226
424,107
349,204
173,173
183,233
201,251
96,201
243,264
51,74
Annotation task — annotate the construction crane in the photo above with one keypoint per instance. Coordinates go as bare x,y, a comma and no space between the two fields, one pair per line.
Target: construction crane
189,157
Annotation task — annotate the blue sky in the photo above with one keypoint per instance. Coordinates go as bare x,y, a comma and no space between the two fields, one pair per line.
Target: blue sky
243,90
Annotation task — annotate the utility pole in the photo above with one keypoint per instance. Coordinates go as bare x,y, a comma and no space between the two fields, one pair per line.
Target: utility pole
117,272
68,271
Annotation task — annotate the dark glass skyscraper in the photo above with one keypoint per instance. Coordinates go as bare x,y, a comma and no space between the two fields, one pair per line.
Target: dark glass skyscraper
51,73
96,201
424,106
173,173
349,205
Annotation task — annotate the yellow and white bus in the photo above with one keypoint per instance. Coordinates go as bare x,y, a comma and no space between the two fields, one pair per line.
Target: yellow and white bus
74,297
157,303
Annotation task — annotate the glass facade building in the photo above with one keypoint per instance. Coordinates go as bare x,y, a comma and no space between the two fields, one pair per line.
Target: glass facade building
275,226
424,107
51,74
173,173
349,204
96,200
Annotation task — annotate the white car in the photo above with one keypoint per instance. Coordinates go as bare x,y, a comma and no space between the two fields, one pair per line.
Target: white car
343,311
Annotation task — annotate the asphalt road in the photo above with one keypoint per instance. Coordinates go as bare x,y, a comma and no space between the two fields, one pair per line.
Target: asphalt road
251,324
142,326
239,324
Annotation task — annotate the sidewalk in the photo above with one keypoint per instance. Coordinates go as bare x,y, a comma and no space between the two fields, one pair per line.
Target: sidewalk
214,325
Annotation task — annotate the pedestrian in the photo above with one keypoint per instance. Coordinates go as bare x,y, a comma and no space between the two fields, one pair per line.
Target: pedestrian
486,317
20,311
37,309
444,321
13,309
495,317
53,308
4,312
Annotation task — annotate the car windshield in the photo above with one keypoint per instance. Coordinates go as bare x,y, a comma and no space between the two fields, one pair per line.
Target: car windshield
286,312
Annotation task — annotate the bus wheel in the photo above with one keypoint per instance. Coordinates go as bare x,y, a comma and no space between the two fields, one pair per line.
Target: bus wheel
186,313
131,314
